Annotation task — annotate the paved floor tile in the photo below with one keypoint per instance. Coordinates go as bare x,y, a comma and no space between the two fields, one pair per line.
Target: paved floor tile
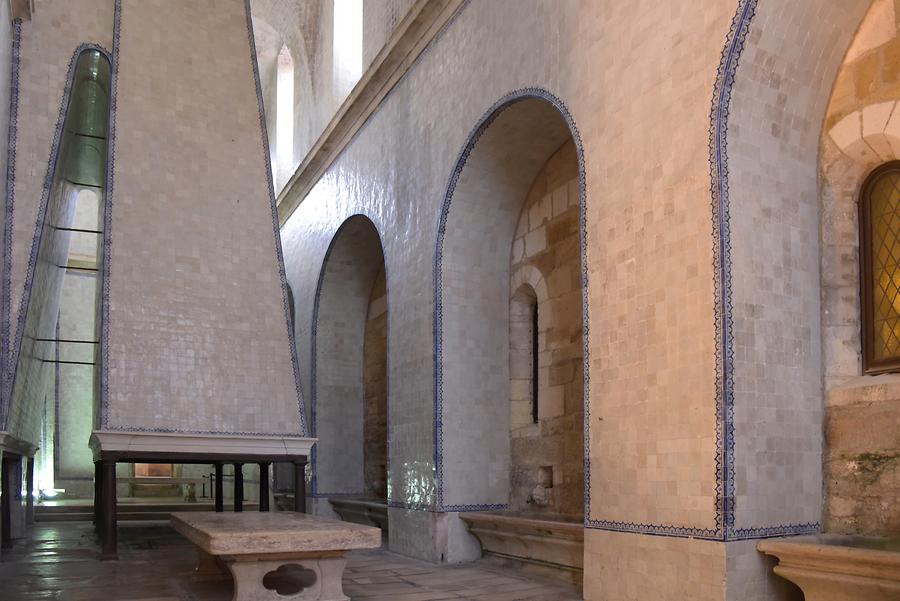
59,562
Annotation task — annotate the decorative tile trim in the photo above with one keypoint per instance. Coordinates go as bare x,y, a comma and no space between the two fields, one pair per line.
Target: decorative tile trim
314,329
101,412
336,495
721,223
6,294
12,367
474,136
723,304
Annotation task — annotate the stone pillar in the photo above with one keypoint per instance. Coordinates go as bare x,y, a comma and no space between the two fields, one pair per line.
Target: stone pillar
264,487
300,486
238,487
6,469
98,479
29,482
108,534
219,492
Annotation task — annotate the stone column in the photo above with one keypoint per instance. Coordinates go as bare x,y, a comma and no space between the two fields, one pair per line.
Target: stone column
219,490
300,486
109,534
264,487
6,467
238,487
29,482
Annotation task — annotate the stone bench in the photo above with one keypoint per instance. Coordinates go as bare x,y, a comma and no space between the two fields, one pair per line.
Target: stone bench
258,547
834,567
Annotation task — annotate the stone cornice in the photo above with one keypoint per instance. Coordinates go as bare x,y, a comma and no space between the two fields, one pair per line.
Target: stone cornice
11,444
412,35
137,443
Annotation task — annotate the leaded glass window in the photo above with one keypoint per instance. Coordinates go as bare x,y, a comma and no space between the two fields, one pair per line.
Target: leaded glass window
880,237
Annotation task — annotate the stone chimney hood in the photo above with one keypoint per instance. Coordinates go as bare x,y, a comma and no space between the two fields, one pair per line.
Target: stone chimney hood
199,357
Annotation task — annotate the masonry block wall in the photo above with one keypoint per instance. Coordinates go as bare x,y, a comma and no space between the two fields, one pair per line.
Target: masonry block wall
862,428
375,387
545,257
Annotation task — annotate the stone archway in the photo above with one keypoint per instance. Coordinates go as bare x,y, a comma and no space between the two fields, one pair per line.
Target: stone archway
349,370
485,218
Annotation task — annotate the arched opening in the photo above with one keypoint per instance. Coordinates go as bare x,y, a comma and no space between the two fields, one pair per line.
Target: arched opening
859,225
349,380
347,45
284,117
509,332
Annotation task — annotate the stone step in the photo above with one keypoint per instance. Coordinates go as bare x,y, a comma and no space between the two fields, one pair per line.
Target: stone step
148,511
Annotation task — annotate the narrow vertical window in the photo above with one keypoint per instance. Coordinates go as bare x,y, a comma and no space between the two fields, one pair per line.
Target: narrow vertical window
284,117
880,282
347,49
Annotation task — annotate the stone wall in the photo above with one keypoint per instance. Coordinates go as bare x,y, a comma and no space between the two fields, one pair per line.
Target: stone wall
545,257
862,413
705,397
375,387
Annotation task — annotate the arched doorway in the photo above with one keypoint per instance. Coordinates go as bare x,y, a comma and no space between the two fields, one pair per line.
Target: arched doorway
510,321
349,377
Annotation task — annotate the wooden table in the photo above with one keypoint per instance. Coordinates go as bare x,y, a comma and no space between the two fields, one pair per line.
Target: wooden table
252,545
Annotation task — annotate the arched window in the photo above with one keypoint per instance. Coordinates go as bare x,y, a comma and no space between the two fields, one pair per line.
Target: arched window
347,48
880,254
284,116
523,358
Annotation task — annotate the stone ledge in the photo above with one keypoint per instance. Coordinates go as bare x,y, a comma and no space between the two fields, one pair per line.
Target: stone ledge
865,389
135,443
16,446
547,543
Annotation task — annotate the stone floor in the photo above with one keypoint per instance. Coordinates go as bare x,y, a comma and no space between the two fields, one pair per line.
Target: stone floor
59,562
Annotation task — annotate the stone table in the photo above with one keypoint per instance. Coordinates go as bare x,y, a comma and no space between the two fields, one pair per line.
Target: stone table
257,548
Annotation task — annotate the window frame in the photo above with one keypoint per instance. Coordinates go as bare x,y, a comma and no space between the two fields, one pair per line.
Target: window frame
870,365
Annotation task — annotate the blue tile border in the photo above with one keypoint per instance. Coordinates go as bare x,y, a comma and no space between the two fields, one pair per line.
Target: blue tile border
723,305
314,396
6,295
101,416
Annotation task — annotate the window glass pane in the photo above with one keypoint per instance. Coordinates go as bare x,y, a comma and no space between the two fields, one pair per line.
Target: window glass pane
884,203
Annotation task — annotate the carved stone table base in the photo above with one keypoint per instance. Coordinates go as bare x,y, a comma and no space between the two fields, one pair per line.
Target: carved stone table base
301,555
248,573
